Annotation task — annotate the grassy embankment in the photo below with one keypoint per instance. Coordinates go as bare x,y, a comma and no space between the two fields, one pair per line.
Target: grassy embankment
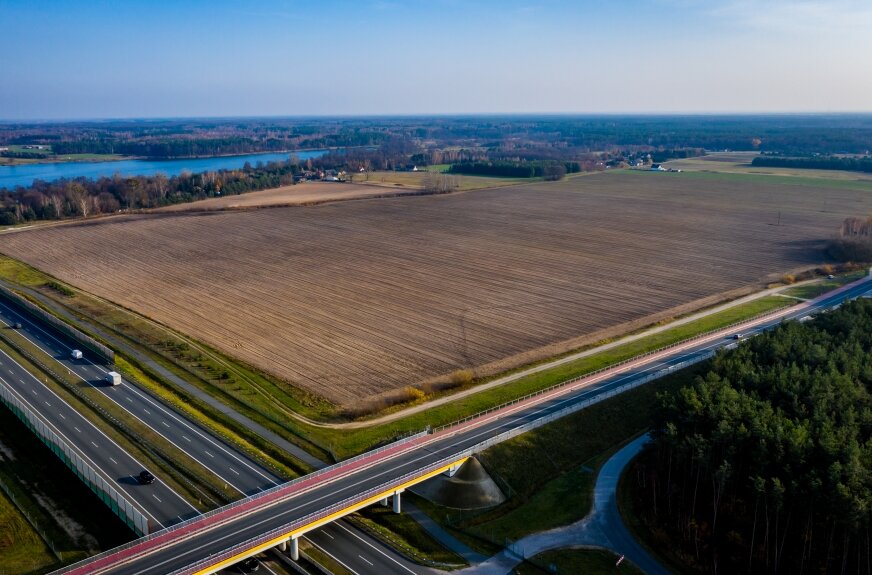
273,403
405,535
48,157
177,469
70,518
550,472
813,290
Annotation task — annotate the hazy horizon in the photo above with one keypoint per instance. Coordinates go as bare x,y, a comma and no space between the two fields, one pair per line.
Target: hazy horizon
198,59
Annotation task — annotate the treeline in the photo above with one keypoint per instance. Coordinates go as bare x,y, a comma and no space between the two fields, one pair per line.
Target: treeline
658,156
547,170
765,464
850,163
62,199
190,147
171,148
22,155
853,242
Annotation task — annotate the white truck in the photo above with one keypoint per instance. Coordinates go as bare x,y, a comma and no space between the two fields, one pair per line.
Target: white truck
76,354
113,378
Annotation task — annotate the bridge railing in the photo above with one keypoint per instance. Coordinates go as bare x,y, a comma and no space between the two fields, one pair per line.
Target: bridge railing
221,512
312,518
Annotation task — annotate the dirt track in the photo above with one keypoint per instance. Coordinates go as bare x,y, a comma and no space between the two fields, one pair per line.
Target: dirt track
354,299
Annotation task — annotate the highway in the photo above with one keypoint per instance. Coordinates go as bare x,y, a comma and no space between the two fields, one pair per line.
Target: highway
157,501
245,527
164,507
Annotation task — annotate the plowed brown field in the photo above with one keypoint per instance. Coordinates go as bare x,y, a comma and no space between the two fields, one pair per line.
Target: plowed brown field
353,299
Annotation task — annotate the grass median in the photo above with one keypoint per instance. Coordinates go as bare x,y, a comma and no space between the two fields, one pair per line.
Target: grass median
181,473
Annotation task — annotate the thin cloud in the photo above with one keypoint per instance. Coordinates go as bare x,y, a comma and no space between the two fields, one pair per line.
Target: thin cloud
797,16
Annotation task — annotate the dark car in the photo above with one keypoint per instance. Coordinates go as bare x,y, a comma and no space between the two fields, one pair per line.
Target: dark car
145,478
17,325
250,565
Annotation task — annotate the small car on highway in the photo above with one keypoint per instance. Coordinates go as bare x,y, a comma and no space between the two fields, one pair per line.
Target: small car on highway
145,478
76,354
17,325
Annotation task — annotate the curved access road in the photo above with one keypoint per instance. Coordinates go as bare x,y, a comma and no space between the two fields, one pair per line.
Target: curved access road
218,539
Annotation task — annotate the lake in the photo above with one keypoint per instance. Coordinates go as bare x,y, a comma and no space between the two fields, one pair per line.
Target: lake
11,176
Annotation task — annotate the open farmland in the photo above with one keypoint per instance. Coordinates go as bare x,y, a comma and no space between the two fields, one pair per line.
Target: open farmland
354,299
300,194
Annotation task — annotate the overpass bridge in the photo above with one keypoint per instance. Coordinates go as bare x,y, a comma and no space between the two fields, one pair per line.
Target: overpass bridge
279,516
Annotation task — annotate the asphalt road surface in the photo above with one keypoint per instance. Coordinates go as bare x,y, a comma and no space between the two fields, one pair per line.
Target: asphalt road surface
214,538
163,506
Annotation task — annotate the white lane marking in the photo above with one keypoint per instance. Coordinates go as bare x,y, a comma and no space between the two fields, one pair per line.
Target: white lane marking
365,559
62,415
171,414
99,431
207,453
95,445
233,470
77,428
156,497
327,534
367,543
185,437
48,404
147,411
70,442
335,558
165,423
112,459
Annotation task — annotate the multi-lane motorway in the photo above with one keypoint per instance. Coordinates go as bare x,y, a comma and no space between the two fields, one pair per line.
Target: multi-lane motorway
162,505
204,539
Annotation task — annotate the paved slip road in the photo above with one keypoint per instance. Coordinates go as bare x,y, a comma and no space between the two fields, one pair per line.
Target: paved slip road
212,537
360,553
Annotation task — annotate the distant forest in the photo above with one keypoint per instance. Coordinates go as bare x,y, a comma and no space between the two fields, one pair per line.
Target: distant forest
764,465
850,163
545,147
503,137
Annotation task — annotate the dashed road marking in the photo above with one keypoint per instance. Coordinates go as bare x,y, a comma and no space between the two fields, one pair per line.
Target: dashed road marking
165,423
156,497
365,559
112,459
77,429
207,453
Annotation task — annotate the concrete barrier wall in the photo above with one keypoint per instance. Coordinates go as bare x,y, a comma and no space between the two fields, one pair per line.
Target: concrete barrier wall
102,488
97,350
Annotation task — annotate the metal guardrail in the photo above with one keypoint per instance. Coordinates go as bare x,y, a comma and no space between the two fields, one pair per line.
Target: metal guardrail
252,500
599,371
316,516
388,486
100,486
26,307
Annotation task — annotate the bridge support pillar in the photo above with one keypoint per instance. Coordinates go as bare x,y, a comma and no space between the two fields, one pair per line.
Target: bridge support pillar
397,503
295,548
283,546
384,502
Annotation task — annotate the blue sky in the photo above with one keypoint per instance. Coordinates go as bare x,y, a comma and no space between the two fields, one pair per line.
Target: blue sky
101,59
